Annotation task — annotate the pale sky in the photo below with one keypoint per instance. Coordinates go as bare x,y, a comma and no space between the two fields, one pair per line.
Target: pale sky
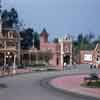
59,17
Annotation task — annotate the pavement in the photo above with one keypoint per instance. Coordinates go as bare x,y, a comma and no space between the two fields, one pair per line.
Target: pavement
18,71
29,87
72,84
33,86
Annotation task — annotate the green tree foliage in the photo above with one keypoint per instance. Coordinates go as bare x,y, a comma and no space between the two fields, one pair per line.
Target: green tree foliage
36,40
9,18
96,41
84,42
55,40
27,38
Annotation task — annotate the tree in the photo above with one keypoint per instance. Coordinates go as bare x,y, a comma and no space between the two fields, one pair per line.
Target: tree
84,42
27,38
9,19
55,40
36,40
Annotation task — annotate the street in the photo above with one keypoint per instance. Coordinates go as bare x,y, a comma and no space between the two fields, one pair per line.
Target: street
28,87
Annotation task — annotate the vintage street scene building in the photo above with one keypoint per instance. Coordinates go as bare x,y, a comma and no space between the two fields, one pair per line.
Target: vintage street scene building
90,56
50,54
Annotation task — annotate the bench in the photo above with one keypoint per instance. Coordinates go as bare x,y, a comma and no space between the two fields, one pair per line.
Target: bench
91,78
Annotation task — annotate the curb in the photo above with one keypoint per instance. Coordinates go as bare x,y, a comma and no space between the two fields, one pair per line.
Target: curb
33,71
16,74
46,84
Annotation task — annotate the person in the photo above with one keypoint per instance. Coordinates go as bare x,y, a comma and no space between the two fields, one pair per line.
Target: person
91,66
94,66
65,64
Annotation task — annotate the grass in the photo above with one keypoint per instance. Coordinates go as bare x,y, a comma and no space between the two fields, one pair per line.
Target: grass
91,84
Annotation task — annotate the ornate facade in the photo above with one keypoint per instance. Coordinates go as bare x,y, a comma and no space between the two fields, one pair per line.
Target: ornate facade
51,54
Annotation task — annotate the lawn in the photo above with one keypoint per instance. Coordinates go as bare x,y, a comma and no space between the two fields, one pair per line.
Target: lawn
91,84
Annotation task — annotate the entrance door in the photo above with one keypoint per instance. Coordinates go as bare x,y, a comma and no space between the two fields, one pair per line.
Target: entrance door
67,59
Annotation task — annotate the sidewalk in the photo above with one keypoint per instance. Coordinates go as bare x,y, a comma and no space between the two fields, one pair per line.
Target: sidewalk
72,84
19,71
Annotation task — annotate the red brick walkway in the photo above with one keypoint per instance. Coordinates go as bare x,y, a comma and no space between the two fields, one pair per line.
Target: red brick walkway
72,84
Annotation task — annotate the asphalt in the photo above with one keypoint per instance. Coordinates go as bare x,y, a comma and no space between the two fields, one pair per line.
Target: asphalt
34,87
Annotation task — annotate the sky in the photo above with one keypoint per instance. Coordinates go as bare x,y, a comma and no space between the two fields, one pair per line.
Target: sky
59,17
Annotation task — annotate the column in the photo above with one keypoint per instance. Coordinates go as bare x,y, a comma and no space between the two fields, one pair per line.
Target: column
71,59
14,65
61,52
4,59
37,58
71,53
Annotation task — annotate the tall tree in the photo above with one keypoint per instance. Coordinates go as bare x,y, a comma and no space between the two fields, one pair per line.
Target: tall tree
9,19
27,38
36,40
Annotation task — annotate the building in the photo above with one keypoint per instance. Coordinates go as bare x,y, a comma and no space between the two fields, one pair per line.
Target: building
97,55
86,56
50,54
61,51
9,45
93,56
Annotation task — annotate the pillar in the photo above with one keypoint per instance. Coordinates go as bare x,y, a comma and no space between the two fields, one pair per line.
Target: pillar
61,53
4,59
71,59
71,53
37,58
14,65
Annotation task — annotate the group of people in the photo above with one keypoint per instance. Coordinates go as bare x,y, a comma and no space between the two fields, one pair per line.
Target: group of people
5,69
92,66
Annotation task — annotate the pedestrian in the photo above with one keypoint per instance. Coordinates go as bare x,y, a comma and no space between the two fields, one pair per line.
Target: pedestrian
94,66
91,66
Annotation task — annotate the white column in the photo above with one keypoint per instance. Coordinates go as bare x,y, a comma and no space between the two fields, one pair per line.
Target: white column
14,65
71,53
61,52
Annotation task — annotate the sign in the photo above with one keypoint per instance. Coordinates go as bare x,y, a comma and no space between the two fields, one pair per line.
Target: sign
88,57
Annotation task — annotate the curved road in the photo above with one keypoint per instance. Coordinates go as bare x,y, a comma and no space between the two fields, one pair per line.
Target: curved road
28,87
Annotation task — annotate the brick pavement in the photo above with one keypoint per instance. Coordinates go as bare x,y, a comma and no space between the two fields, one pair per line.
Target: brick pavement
72,84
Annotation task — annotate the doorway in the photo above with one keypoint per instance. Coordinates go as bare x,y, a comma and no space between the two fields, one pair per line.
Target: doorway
67,59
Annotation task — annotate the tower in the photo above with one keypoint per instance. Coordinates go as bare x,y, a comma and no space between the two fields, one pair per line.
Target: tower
44,36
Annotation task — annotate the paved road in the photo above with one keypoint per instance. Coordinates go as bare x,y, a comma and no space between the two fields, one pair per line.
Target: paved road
28,87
